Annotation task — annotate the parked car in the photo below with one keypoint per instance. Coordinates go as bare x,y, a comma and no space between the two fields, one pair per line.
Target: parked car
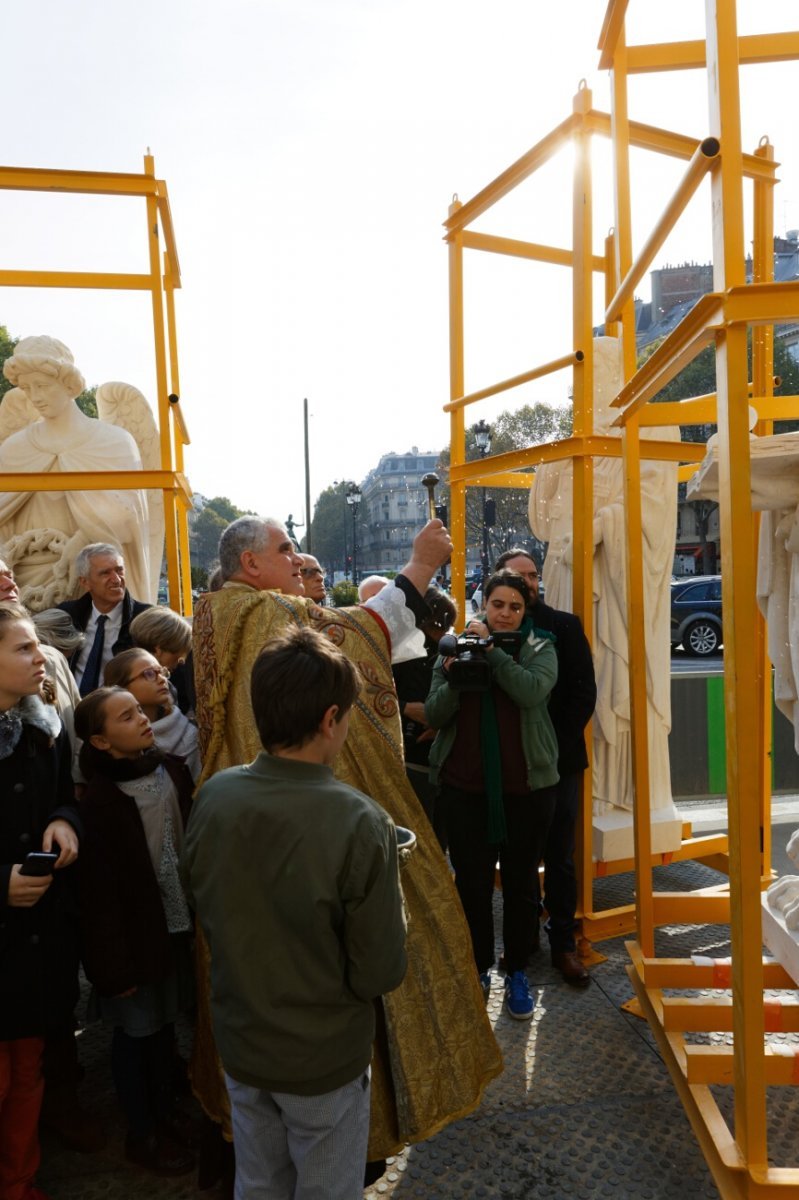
696,614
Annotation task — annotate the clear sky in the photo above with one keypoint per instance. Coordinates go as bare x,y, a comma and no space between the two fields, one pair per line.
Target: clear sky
311,149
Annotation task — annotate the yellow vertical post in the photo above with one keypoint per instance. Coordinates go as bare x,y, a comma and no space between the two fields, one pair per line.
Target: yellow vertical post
164,422
636,643
583,466
738,593
184,562
620,127
457,491
763,385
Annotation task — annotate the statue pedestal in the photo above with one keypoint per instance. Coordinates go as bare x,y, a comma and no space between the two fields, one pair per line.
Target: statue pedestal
613,834
780,941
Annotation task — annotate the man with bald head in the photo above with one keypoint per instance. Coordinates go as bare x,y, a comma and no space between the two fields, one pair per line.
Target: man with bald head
313,578
442,1050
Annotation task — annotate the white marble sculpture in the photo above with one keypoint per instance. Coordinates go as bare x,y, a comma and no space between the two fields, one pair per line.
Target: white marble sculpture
774,464
783,895
43,430
551,521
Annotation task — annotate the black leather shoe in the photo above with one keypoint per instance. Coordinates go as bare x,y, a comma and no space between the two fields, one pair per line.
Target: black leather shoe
158,1154
570,965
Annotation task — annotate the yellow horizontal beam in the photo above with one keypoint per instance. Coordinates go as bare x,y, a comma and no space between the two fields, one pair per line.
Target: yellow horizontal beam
690,55
714,1064
676,145
36,179
556,255
510,479
691,848
558,364
713,1014
75,279
687,908
703,158
518,171
574,447
762,304
94,481
683,973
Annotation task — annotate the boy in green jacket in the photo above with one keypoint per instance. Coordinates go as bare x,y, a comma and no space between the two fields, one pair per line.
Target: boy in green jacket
295,880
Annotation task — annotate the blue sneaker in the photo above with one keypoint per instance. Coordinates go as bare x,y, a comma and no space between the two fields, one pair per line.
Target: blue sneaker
518,1001
485,984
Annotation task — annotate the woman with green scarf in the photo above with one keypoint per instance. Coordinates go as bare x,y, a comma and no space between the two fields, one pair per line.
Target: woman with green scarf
495,759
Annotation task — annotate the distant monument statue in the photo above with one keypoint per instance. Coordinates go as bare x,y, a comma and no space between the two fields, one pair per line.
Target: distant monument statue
43,430
551,521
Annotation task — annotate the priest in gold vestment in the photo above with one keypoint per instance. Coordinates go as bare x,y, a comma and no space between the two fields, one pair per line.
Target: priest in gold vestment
435,1051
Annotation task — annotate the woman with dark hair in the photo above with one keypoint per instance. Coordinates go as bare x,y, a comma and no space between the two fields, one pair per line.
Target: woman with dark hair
495,755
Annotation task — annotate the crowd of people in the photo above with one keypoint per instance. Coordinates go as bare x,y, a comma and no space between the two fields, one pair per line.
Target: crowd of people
210,819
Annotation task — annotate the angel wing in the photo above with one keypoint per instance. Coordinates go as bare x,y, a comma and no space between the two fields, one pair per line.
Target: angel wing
124,405
16,411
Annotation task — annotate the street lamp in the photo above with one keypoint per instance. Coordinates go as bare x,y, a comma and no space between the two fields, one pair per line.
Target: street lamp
482,436
354,497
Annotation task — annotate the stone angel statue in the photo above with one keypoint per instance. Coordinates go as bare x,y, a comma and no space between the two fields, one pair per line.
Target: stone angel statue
42,430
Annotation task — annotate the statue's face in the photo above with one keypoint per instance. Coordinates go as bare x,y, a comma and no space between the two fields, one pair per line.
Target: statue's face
48,395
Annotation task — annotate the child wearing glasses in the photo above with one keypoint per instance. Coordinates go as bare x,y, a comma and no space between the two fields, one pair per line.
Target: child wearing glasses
143,676
135,920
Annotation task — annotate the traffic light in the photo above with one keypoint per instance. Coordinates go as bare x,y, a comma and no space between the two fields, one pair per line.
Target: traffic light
490,513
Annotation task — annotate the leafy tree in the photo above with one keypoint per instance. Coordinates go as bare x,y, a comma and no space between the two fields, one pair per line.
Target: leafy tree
206,529
199,578
331,528
87,401
530,425
225,509
7,344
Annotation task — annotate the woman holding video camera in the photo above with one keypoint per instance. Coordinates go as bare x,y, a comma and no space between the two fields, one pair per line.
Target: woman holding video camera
495,758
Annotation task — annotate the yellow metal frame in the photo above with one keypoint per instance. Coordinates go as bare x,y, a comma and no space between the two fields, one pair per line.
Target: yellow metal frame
161,281
738,1158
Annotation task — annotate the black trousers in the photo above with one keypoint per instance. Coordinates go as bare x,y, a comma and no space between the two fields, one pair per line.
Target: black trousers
560,879
527,819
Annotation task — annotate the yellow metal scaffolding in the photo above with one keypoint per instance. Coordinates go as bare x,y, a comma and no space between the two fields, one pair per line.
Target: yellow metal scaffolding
738,1157
170,479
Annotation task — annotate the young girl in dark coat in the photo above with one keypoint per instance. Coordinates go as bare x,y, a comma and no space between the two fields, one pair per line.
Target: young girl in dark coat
38,915
136,923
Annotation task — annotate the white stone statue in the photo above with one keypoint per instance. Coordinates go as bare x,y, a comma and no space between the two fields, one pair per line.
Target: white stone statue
774,465
551,521
784,893
42,430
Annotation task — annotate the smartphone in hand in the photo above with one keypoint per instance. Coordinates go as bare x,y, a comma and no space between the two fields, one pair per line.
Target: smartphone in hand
39,862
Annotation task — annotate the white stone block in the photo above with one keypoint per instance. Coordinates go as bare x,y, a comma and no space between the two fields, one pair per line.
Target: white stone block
613,834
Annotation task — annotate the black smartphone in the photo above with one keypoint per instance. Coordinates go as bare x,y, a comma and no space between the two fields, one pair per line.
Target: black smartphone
39,862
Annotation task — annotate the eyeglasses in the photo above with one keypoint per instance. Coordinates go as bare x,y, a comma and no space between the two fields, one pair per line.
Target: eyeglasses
308,572
151,674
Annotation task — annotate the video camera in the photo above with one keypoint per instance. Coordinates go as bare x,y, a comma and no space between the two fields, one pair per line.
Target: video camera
470,672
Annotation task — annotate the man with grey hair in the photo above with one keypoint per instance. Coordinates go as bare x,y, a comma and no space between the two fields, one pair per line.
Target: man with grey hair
443,1050
103,613
258,551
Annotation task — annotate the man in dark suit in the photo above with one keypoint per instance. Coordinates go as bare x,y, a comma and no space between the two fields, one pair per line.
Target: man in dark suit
104,612
571,705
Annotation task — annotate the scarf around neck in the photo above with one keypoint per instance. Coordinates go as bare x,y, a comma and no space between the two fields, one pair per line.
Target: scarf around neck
30,711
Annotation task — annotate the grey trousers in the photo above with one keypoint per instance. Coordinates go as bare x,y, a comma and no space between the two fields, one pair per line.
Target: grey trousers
300,1147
